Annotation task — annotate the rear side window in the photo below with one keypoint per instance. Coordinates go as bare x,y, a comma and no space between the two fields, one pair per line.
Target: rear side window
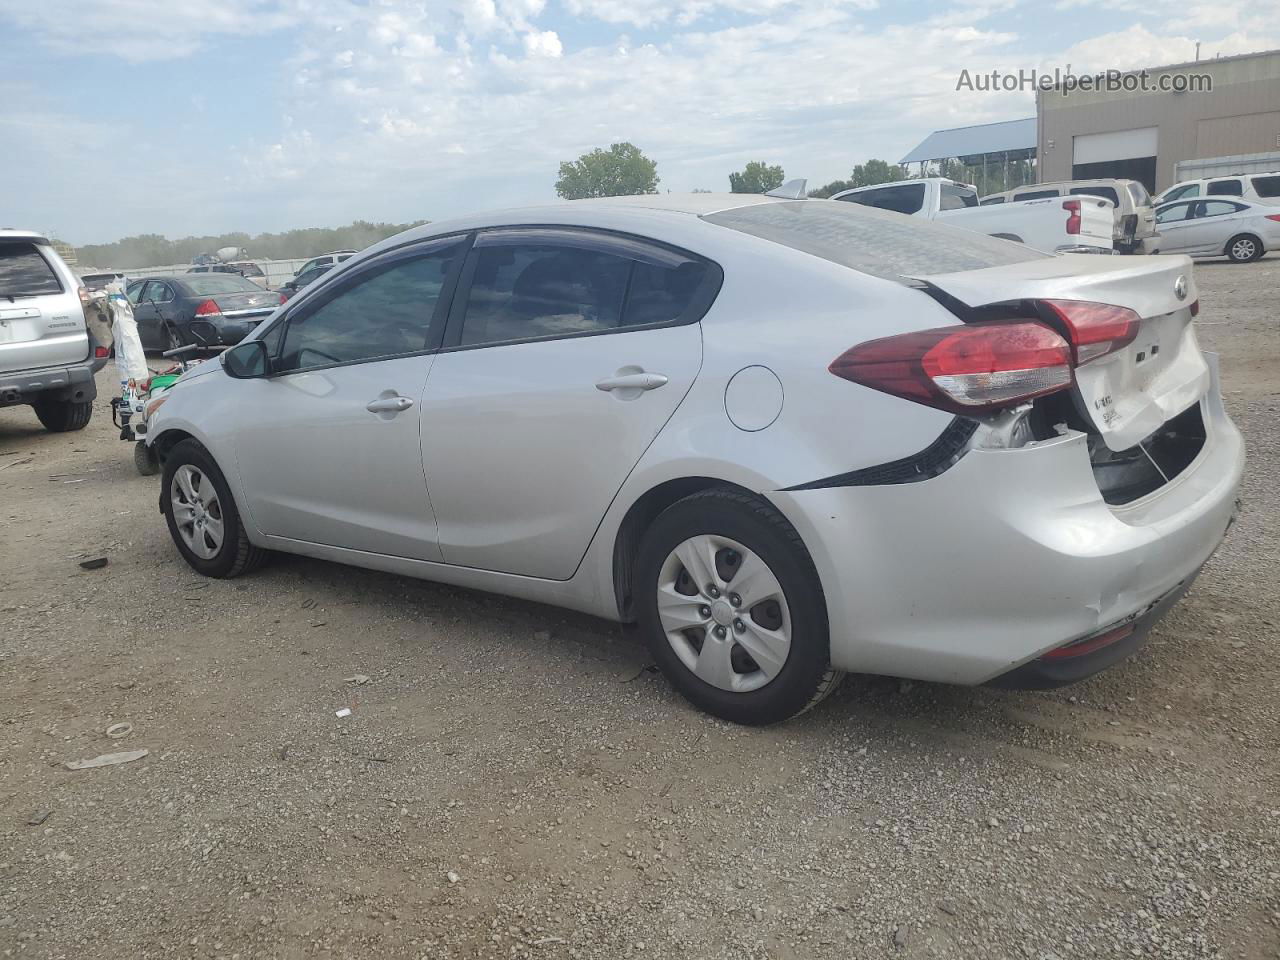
1035,195
872,241
24,272
1267,186
956,198
1138,193
1106,193
540,284
1225,188
1218,208
908,198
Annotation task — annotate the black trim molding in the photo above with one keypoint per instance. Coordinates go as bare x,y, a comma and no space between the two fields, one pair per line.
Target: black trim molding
936,458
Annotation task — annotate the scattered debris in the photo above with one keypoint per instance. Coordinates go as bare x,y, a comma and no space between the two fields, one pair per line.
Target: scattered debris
97,563
648,668
39,817
284,751
453,877
118,731
125,684
308,603
545,940
14,463
107,760
359,679
344,712
900,938
949,908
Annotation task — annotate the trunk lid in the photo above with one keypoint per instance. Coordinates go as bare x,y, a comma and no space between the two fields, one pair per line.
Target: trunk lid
1129,394
247,304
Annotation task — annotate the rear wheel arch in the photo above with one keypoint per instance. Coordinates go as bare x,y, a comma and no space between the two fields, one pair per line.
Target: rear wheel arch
626,544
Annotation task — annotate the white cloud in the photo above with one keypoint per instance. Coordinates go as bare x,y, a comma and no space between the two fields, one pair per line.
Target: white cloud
543,43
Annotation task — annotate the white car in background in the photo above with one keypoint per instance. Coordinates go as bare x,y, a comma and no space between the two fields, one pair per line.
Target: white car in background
787,438
1083,224
1250,187
1134,212
1219,227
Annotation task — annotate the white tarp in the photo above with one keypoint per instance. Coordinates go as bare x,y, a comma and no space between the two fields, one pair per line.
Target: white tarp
130,360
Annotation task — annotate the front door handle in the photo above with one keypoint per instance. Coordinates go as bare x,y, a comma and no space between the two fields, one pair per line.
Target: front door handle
632,381
388,405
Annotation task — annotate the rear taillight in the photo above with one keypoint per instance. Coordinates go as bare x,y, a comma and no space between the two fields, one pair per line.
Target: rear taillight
1274,216
283,298
1095,329
208,308
85,299
101,352
1073,215
963,369
1080,648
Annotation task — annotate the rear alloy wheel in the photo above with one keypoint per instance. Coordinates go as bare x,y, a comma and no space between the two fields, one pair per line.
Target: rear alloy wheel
1243,248
733,612
202,516
62,416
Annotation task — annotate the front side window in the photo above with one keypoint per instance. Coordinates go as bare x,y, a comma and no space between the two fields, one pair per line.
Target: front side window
543,288
1174,213
1267,186
158,292
134,292
908,198
24,272
386,313
1225,188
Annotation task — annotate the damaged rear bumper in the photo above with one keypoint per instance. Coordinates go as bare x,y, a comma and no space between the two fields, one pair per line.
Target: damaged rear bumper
1009,554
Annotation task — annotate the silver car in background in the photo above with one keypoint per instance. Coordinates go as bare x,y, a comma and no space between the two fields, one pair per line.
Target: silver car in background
1219,227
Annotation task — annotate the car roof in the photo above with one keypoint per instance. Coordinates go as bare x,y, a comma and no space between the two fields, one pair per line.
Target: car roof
13,233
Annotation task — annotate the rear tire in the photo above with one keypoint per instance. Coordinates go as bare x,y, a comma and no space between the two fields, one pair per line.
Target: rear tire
173,338
144,458
1243,248
701,643
202,516
62,416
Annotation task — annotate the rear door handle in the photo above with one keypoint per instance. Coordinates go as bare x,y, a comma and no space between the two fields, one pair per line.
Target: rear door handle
632,381
389,405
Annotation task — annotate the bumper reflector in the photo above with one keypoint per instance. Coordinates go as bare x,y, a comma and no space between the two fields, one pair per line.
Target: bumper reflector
1078,648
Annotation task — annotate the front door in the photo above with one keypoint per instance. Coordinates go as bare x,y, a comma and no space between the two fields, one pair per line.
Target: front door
1176,225
566,353
328,445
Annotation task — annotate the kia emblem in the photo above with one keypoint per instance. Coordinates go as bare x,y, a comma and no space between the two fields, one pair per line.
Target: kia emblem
1180,288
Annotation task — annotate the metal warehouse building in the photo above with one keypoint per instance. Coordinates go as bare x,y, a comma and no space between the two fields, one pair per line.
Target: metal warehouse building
1084,134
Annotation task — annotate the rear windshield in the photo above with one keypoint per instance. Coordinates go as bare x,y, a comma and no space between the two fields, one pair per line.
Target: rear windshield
1035,195
872,241
24,273
1267,186
1106,193
215,283
957,198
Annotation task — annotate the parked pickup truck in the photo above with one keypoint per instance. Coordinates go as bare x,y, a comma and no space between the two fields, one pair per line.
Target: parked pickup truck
1055,225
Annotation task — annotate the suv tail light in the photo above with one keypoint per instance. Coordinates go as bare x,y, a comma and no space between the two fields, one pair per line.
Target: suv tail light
963,369
208,308
1095,329
1073,215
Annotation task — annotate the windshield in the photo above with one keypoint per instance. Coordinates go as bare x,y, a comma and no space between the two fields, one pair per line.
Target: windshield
24,273
1106,193
215,283
882,244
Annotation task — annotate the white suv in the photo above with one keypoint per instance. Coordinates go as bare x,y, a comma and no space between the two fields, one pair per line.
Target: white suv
1253,187
47,355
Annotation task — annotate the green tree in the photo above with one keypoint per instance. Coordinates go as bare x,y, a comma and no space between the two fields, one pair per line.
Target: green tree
756,177
875,171
620,171
830,189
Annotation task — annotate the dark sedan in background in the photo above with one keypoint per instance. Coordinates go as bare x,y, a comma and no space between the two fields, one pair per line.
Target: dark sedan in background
210,310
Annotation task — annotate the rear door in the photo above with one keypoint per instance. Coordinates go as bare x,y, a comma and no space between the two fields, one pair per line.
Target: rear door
1217,223
41,320
566,353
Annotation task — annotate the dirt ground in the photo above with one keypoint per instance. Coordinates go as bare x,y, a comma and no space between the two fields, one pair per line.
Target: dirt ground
512,782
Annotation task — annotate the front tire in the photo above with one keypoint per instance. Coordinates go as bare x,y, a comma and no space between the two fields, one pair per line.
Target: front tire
732,609
202,516
1243,248
62,416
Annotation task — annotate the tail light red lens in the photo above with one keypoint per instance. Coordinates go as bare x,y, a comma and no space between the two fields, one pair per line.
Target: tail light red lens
101,352
1073,215
1274,216
208,308
963,369
1095,329
283,298
1080,648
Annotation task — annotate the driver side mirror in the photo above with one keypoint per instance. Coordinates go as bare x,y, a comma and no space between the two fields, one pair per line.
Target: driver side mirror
247,360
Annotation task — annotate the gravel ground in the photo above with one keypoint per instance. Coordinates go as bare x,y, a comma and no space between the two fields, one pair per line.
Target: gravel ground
512,782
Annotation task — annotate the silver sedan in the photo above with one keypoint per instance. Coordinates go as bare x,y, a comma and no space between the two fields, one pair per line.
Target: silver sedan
1219,227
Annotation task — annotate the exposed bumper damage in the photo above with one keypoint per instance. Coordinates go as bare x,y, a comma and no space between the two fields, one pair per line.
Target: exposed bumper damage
1010,553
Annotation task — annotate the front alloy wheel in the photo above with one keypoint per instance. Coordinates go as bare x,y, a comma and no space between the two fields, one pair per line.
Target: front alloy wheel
202,515
197,512
724,613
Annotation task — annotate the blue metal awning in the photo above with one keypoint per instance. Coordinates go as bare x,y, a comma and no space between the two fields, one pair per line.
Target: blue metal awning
1009,135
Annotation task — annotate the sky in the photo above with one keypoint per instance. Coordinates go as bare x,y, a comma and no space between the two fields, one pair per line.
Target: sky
192,117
